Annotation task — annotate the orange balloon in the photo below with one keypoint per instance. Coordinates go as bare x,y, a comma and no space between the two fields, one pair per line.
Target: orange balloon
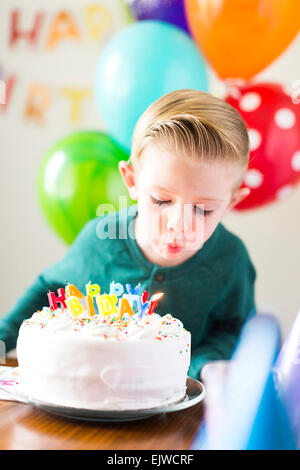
239,38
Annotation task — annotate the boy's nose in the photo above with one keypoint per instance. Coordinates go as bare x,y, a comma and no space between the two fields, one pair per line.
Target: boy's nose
179,218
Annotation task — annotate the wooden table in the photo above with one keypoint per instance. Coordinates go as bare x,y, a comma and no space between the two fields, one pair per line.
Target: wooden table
23,427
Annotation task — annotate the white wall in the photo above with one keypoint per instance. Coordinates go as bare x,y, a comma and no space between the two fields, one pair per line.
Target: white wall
28,244
272,233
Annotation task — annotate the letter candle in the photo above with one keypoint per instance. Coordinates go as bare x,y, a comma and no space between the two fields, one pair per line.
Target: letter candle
74,305
133,290
106,304
116,288
154,301
52,300
60,298
124,307
145,296
71,289
91,291
142,307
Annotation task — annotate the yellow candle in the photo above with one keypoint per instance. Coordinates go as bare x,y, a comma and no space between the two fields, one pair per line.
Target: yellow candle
74,305
124,307
92,289
106,304
90,305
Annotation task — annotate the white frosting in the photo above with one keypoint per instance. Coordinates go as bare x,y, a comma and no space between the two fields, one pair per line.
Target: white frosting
147,327
103,362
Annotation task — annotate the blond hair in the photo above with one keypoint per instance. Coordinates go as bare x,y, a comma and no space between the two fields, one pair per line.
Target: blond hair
196,123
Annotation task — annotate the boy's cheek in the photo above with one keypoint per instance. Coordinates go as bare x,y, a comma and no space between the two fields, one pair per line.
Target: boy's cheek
210,227
193,240
201,232
150,220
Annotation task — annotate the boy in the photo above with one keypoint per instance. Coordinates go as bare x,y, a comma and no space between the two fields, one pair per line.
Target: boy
189,155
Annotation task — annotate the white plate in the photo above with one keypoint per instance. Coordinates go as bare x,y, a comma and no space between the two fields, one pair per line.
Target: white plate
195,393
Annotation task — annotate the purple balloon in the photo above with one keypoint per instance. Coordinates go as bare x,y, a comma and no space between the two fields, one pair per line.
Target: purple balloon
171,11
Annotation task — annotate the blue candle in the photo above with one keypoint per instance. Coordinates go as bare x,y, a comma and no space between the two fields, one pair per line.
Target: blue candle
116,288
142,307
133,290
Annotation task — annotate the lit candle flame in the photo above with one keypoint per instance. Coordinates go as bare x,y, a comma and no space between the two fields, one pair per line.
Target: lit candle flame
153,301
156,296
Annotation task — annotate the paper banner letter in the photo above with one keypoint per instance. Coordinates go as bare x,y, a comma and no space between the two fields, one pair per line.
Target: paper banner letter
2,92
30,35
76,97
38,100
63,27
6,89
98,19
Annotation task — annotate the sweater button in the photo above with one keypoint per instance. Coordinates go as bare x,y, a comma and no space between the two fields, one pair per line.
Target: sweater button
160,277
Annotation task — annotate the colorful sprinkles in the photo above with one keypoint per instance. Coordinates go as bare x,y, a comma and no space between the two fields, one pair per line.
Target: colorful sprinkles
111,326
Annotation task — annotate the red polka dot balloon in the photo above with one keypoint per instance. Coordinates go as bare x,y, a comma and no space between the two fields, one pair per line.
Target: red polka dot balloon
272,118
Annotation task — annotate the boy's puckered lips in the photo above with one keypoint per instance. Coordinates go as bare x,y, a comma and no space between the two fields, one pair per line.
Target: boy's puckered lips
174,248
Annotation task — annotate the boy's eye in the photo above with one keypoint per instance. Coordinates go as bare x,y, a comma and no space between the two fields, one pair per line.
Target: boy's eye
203,211
198,209
159,202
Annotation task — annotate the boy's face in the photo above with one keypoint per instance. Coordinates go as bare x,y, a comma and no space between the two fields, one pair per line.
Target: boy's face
180,201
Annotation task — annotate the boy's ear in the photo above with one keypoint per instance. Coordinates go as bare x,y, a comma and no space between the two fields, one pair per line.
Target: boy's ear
128,176
238,196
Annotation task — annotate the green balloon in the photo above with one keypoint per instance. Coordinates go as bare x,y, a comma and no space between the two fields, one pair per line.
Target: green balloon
77,175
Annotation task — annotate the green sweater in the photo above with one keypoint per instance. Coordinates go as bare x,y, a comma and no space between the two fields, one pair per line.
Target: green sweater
212,293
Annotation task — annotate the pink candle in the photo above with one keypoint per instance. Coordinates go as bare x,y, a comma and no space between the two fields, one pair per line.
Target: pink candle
53,299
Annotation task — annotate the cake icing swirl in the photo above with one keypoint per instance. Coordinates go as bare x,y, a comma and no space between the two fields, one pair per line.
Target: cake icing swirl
110,327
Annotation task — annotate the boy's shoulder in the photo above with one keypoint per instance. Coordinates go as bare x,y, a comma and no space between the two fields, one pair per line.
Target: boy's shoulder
231,242
108,230
228,252
111,225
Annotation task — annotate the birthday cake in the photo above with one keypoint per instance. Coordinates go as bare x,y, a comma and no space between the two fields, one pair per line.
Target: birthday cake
104,352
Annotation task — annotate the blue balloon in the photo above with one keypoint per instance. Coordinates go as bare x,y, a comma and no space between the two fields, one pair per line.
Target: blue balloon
142,63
